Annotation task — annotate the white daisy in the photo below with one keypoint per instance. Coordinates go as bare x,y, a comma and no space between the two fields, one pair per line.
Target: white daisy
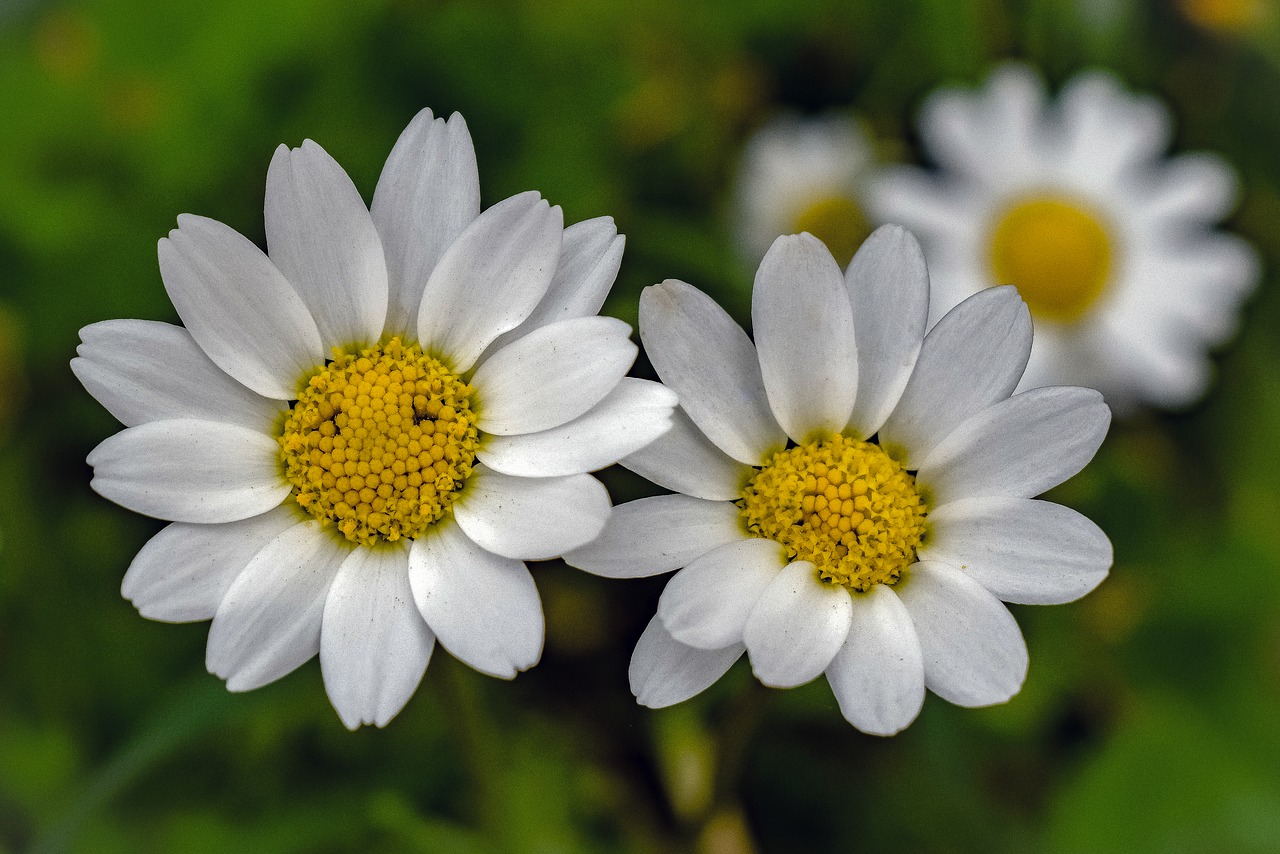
804,174
1111,245
855,497
364,505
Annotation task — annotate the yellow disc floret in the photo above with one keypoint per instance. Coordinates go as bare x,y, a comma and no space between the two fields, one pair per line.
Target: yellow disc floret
844,505
1056,252
379,443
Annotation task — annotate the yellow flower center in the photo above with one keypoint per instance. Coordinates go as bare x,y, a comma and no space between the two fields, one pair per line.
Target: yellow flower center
844,505
1057,253
838,222
379,443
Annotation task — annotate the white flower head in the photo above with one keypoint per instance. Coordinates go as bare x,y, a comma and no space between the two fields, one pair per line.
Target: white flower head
804,174
1111,244
855,497
360,436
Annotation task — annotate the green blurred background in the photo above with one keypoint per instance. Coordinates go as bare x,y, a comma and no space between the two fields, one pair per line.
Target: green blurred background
1149,721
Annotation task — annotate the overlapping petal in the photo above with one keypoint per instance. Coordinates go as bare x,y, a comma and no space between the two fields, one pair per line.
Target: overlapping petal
552,375
888,287
182,573
590,255
707,603
238,307
483,608
699,351
805,337
974,654
797,627
1019,447
664,671
658,534
971,359
143,370
531,518
268,624
185,470
321,236
374,645
1032,552
684,460
878,674
490,278
428,193
631,416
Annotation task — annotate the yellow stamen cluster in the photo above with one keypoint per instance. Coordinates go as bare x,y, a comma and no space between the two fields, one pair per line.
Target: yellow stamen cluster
1056,252
838,222
844,505
379,443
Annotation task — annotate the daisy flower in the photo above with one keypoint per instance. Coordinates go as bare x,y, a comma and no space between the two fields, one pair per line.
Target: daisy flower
854,497
804,174
1111,245
360,435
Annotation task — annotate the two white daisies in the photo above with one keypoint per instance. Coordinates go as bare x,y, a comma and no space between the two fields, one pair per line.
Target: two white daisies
361,435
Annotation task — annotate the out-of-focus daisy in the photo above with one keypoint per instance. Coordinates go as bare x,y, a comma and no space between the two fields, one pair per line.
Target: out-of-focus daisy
804,174
365,503
1111,245
854,497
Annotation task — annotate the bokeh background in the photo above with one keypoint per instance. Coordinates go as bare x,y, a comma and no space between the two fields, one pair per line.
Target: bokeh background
1150,721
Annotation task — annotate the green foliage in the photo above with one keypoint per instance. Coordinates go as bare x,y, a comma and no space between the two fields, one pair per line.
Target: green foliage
1148,722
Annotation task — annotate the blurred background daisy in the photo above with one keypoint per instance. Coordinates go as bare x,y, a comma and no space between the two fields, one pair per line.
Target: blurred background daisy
1148,720
1112,247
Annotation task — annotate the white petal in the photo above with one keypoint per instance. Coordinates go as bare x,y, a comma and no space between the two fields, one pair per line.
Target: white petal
552,375
268,624
804,335
238,307
320,235
374,645
1188,190
655,535
797,627
974,654
972,358
190,471
531,518
664,671
878,674
707,603
888,286
682,459
589,259
490,279
710,362
1019,447
142,370
483,608
182,573
1106,130
428,193
632,415
1032,552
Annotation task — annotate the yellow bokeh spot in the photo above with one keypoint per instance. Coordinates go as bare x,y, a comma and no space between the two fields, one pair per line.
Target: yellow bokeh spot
379,443
838,222
1228,16
844,505
1057,253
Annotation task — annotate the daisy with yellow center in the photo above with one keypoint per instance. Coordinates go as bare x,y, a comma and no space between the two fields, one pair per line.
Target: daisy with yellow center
361,435
1112,246
804,174
853,497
